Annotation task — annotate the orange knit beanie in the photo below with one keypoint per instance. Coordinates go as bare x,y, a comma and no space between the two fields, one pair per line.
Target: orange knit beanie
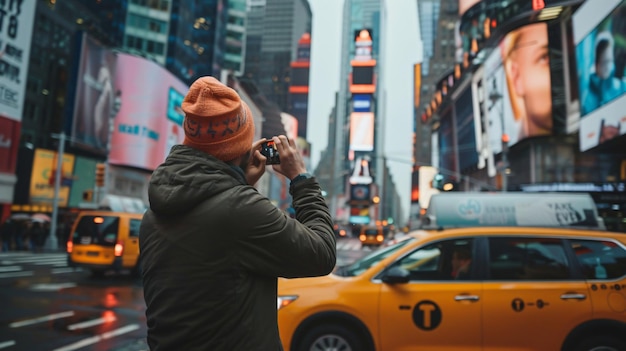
216,120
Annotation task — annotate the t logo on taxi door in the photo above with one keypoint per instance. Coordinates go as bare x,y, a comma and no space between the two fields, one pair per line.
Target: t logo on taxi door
426,315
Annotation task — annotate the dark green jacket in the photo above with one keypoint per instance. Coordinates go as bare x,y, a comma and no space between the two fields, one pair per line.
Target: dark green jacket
212,249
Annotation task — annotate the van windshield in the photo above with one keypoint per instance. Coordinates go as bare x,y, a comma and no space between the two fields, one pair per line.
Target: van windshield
96,230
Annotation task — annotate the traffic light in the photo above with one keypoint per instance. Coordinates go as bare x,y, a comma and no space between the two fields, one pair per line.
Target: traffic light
437,182
100,174
88,195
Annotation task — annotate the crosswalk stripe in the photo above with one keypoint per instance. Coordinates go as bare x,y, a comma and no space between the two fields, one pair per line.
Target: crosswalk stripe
16,274
10,268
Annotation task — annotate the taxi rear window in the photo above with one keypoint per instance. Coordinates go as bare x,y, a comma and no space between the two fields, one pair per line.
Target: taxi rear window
96,230
371,231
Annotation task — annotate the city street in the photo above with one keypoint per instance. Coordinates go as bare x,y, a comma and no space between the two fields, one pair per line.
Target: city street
48,306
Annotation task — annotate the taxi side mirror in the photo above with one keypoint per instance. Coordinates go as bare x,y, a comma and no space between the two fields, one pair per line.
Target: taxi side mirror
396,275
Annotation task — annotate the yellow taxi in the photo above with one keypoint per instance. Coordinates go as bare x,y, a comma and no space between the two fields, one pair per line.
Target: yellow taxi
105,240
371,236
470,288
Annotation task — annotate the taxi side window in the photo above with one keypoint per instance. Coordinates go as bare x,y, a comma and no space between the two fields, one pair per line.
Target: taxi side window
133,227
445,260
600,259
523,258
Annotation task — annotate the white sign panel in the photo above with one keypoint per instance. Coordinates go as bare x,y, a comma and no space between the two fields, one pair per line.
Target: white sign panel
16,27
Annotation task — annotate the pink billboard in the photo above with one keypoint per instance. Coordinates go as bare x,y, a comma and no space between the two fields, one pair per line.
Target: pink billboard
149,121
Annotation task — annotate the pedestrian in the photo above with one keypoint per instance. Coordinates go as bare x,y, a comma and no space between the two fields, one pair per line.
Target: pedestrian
37,236
8,233
212,248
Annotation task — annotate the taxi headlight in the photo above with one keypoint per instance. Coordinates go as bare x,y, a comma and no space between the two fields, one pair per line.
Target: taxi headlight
285,300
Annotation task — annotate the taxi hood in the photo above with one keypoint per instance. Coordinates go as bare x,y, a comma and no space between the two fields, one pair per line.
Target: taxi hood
291,284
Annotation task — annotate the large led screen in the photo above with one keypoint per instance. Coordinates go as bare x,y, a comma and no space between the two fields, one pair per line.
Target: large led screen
362,131
465,131
16,28
600,37
447,154
149,121
95,97
518,86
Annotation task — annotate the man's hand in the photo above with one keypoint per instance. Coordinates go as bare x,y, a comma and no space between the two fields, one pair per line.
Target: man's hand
256,164
291,162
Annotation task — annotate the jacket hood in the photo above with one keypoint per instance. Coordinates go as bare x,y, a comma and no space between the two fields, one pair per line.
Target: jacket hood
188,177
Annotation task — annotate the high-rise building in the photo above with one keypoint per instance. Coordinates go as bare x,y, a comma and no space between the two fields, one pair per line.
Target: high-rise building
341,159
274,29
175,41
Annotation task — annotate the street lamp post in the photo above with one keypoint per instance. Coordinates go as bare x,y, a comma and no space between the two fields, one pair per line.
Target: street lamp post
52,242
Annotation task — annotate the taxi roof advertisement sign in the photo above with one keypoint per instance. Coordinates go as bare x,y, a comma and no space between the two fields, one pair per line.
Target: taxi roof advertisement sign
507,209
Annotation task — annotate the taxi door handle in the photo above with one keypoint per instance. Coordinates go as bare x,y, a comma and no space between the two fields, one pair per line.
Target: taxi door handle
573,296
466,298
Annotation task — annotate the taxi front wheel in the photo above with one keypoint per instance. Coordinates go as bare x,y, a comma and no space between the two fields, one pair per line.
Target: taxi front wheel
601,343
330,338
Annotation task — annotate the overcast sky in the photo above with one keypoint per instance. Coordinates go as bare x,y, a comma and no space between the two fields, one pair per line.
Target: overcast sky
402,50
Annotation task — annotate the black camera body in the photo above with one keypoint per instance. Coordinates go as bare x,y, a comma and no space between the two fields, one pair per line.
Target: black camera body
268,149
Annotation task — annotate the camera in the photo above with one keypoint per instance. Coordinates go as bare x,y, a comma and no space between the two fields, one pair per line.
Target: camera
268,149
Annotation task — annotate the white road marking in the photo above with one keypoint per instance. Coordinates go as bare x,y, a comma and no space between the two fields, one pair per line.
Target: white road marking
10,268
5,344
94,339
41,319
52,287
49,261
62,270
16,274
92,322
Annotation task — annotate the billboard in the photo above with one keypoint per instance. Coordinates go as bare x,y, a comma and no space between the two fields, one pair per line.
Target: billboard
44,166
600,39
464,5
362,103
362,131
149,120
465,131
447,154
95,96
9,140
518,86
16,28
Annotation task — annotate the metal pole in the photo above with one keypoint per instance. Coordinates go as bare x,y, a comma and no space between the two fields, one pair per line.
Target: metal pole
504,166
52,242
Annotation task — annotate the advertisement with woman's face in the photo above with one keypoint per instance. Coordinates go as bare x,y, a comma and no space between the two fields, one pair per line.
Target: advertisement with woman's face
95,96
527,68
601,66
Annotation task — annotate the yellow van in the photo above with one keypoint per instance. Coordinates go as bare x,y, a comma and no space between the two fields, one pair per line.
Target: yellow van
371,236
105,240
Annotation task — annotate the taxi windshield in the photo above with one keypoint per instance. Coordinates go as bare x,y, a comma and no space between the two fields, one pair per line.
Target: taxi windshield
368,261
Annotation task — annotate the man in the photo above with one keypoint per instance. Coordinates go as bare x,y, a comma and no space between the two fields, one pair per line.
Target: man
212,247
461,260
